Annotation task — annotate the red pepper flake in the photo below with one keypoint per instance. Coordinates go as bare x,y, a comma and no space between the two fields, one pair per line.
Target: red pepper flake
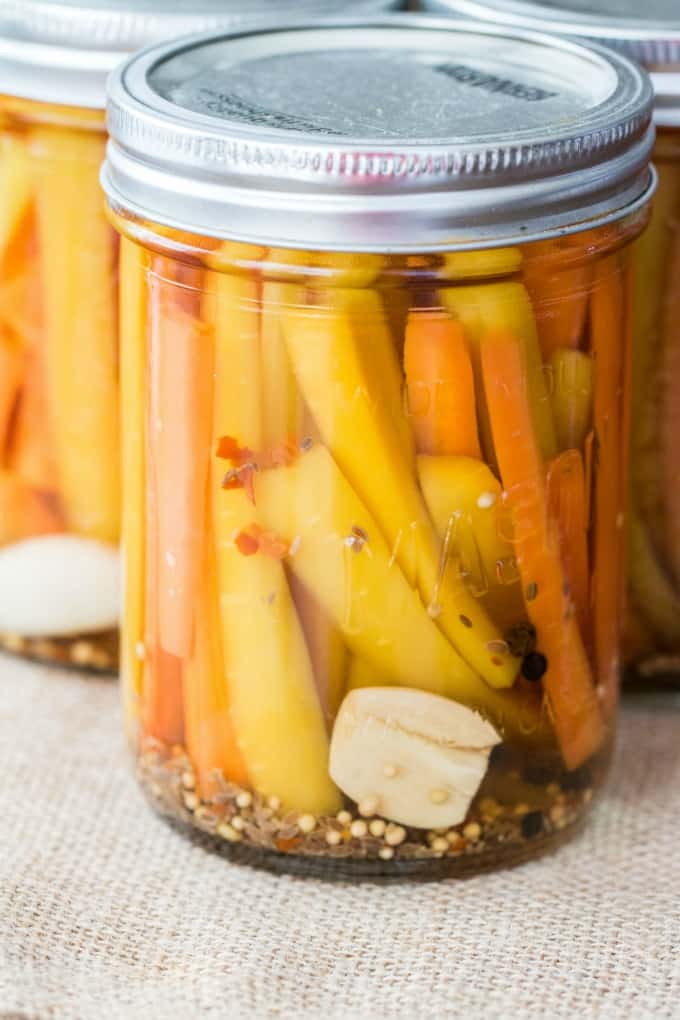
228,449
242,478
248,541
272,545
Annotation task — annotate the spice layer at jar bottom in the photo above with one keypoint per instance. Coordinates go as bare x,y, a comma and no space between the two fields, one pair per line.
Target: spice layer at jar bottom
373,523
59,436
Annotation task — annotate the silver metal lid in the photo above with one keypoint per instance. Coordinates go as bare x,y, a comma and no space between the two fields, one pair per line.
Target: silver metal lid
646,30
61,51
390,133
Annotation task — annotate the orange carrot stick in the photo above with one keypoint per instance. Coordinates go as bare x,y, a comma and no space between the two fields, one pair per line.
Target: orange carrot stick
566,496
24,513
30,452
608,339
440,383
11,374
210,737
568,683
162,709
181,364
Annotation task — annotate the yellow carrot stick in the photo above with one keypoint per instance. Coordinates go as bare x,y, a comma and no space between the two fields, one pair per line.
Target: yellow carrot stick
607,324
275,707
567,681
571,397
490,262
440,385
464,499
81,356
283,408
326,646
134,318
181,372
352,385
362,674
487,307
16,184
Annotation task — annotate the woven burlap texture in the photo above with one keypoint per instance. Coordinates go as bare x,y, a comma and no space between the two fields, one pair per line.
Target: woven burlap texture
108,914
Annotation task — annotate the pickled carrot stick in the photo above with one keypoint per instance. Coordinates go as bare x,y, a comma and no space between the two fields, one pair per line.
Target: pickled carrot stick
568,682
209,732
607,338
571,397
327,649
669,422
162,709
283,408
470,265
560,299
506,306
16,184
181,371
24,513
566,498
275,707
464,499
81,351
30,453
11,376
353,388
133,324
440,385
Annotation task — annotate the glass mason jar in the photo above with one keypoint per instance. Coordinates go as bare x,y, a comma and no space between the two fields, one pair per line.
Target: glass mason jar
59,376
375,389
649,33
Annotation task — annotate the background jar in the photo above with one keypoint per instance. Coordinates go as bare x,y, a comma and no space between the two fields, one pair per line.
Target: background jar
376,479
59,374
649,33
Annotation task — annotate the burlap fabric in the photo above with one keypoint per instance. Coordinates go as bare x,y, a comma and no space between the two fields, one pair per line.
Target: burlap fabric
107,914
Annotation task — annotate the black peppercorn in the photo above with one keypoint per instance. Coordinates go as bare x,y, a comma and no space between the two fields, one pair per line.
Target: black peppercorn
532,825
534,666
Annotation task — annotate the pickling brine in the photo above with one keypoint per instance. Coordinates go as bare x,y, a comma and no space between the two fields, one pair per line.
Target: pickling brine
374,512
374,499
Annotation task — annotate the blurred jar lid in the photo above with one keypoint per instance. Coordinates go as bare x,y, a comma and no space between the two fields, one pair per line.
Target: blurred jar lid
395,132
646,30
61,51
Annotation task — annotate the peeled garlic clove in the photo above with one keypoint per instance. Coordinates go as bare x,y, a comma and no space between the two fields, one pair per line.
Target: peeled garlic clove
418,757
59,586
